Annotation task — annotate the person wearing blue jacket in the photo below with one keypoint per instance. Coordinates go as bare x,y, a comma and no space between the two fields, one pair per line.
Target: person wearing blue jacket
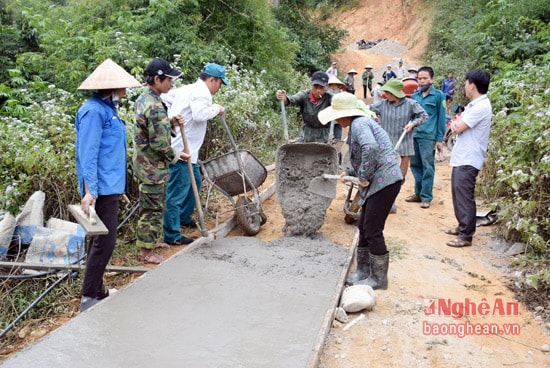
101,167
427,138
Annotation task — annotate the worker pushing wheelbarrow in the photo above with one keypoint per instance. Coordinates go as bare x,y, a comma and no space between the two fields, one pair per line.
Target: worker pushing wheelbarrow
237,173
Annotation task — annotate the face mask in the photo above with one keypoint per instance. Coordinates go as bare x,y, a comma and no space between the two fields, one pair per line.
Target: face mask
426,87
114,95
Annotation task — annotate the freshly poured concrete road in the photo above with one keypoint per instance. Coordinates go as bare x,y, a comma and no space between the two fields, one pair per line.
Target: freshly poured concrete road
232,302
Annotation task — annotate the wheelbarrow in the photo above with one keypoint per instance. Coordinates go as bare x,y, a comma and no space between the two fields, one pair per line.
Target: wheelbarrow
296,165
235,174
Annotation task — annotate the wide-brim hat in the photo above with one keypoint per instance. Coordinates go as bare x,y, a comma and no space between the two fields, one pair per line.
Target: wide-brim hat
343,104
109,75
368,66
333,80
395,87
412,68
352,71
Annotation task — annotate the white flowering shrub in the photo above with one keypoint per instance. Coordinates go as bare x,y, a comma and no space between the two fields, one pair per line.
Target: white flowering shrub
517,170
37,153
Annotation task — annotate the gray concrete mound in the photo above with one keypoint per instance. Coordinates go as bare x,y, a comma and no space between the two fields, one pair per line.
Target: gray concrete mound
297,164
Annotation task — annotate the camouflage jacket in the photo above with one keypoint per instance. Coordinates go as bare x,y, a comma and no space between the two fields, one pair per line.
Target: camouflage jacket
152,138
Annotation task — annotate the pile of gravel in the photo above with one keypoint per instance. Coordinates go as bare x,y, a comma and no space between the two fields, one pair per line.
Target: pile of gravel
384,47
387,48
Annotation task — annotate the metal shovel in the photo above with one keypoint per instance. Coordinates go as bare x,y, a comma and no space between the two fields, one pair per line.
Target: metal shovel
325,185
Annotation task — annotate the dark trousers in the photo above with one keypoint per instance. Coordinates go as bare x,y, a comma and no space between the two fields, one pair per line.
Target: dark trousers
365,91
373,217
101,246
463,183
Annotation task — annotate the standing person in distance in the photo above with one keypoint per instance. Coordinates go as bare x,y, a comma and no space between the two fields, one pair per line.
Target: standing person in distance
388,74
413,72
101,154
428,138
400,71
367,78
153,153
472,130
194,103
349,81
448,88
332,71
377,92
374,163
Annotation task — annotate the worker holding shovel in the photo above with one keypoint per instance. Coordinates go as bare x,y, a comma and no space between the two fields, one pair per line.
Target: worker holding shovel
376,165
310,103
398,113
194,103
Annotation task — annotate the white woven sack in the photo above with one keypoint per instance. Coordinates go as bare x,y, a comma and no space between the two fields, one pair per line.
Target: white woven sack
357,298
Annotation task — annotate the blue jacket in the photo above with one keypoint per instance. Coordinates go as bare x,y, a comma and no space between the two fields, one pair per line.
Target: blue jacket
100,148
434,104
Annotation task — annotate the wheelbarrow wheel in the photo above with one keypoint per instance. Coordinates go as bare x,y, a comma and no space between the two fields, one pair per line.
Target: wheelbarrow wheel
263,217
353,208
248,215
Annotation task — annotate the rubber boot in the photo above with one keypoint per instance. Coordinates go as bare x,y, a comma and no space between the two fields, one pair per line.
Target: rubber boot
378,278
363,267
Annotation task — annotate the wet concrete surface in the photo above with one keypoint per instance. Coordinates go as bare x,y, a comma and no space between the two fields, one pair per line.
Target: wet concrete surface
231,302
297,164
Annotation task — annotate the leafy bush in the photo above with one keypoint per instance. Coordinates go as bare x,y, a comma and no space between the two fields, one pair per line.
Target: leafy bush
517,173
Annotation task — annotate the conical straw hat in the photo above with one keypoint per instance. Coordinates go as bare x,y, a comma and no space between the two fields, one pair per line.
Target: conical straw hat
109,75
333,80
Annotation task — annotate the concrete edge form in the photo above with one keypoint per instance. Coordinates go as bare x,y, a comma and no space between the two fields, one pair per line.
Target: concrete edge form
329,317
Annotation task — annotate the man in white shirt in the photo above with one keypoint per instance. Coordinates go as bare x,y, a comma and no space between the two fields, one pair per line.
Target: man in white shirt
194,103
468,155
332,71
400,72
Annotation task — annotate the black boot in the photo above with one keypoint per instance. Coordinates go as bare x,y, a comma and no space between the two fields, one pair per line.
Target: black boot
378,278
363,267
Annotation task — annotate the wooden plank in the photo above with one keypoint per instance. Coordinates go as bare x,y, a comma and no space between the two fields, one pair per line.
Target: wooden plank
76,267
91,229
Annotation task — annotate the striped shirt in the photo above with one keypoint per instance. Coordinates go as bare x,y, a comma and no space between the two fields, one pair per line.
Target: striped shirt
393,118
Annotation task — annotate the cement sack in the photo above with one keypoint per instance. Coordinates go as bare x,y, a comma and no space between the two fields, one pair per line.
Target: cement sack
357,298
7,227
30,218
62,244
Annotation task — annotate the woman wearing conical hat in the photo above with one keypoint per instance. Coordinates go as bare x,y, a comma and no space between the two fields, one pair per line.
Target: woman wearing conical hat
101,166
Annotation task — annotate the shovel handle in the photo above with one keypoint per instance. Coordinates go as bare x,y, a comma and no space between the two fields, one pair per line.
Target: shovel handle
198,205
353,179
285,124
400,139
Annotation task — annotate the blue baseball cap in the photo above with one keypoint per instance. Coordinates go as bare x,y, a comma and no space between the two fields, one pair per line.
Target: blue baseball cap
217,71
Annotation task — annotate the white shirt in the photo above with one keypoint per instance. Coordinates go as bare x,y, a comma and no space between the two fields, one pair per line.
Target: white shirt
471,144
400,72
194,102
376,94
332,71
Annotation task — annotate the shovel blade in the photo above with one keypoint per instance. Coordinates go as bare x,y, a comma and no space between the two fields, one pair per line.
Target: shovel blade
323,187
